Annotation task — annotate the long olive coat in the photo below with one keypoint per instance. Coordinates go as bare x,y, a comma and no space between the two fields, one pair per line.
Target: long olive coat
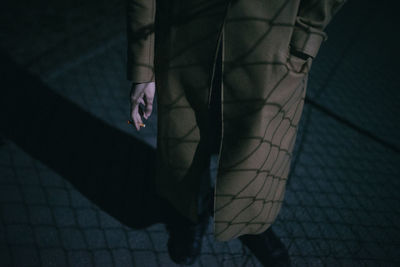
174,43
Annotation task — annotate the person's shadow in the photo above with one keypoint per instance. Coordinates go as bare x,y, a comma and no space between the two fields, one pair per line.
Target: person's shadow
109,167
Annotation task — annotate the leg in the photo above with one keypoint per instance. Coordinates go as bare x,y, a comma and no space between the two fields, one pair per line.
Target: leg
186,237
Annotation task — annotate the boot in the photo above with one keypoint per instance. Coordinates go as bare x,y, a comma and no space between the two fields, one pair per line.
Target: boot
185,239
268,248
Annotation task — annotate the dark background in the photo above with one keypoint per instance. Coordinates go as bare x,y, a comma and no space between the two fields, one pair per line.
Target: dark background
74,176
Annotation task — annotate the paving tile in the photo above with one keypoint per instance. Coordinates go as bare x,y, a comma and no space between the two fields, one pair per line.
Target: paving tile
95,239
80,258
139,240
50,178
34,195
10,193
116,238
5,257
47,236
72,239
58,196
145,258
103,258
40,215
64,216
25,256
122,257
7,175
18,234
87,218
53,257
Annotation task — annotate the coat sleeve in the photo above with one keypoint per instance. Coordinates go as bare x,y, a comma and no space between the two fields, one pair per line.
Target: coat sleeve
140,15
312,18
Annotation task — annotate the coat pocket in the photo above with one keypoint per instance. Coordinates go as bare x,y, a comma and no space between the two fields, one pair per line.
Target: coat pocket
297,64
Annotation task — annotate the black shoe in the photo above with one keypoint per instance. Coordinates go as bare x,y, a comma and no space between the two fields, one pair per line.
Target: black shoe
185,239
268,248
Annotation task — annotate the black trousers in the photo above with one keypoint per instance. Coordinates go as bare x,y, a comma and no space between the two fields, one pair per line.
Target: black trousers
215,105
206,192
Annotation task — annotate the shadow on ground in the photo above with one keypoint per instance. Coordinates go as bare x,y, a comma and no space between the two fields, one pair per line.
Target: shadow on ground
111,168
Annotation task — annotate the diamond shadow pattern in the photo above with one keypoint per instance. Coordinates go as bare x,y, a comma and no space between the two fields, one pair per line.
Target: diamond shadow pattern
341,199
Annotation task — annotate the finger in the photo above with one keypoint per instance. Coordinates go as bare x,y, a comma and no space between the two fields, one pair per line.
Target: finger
135,116
148,110
133,124
137,97
138,121
133,111
148,107
141,101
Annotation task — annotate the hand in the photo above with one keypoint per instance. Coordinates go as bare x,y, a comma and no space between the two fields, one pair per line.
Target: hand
141,93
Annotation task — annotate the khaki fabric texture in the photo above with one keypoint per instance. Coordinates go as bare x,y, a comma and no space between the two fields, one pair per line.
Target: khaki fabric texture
263,86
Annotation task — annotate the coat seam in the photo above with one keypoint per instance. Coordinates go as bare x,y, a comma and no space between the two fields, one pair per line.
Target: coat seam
220,33
221,39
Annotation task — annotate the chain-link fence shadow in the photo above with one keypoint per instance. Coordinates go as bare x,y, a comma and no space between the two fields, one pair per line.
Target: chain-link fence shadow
341,203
